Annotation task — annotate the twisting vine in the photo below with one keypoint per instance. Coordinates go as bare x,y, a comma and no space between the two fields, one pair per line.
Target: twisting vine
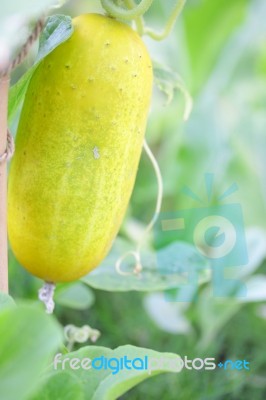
138,20
136,253
126,14
135,12
73,335
169,25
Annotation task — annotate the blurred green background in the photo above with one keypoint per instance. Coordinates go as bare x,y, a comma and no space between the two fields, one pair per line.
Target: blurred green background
219,49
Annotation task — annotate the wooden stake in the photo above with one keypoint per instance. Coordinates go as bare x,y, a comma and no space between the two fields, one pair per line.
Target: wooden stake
4,85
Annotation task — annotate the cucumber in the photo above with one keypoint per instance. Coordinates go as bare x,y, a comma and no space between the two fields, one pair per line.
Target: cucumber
78,147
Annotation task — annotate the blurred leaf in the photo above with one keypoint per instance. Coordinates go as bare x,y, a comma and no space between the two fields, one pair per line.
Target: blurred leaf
256,289
104,384
256,243
212,315
76,296
169,81
256,247
6,301
28,338
17,93
208,24
167,315
57,30
21,283
63,385
166,269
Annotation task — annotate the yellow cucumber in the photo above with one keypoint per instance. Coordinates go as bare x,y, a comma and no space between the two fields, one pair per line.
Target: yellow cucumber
78,146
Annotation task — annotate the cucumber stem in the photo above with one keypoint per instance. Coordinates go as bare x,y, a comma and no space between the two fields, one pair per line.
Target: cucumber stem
4,85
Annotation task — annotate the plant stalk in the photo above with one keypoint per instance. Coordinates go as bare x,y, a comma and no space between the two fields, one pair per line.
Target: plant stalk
4,85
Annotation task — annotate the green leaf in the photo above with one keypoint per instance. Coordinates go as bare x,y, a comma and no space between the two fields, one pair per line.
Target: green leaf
153,277
104,384
208,24
6,301
17,93
57,30
76,296
28,338
168,82
63,385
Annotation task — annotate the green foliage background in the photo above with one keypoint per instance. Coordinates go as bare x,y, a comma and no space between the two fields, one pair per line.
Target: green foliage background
219,48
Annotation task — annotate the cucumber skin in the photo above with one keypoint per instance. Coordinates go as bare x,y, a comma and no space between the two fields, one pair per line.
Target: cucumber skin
78,147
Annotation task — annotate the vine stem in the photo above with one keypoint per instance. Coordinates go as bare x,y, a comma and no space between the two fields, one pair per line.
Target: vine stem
138,20
4,85
126,14
159,191
136,253
170,23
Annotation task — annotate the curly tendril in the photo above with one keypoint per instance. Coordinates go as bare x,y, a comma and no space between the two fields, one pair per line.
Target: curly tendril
127,14
130,4
136,253
170,23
